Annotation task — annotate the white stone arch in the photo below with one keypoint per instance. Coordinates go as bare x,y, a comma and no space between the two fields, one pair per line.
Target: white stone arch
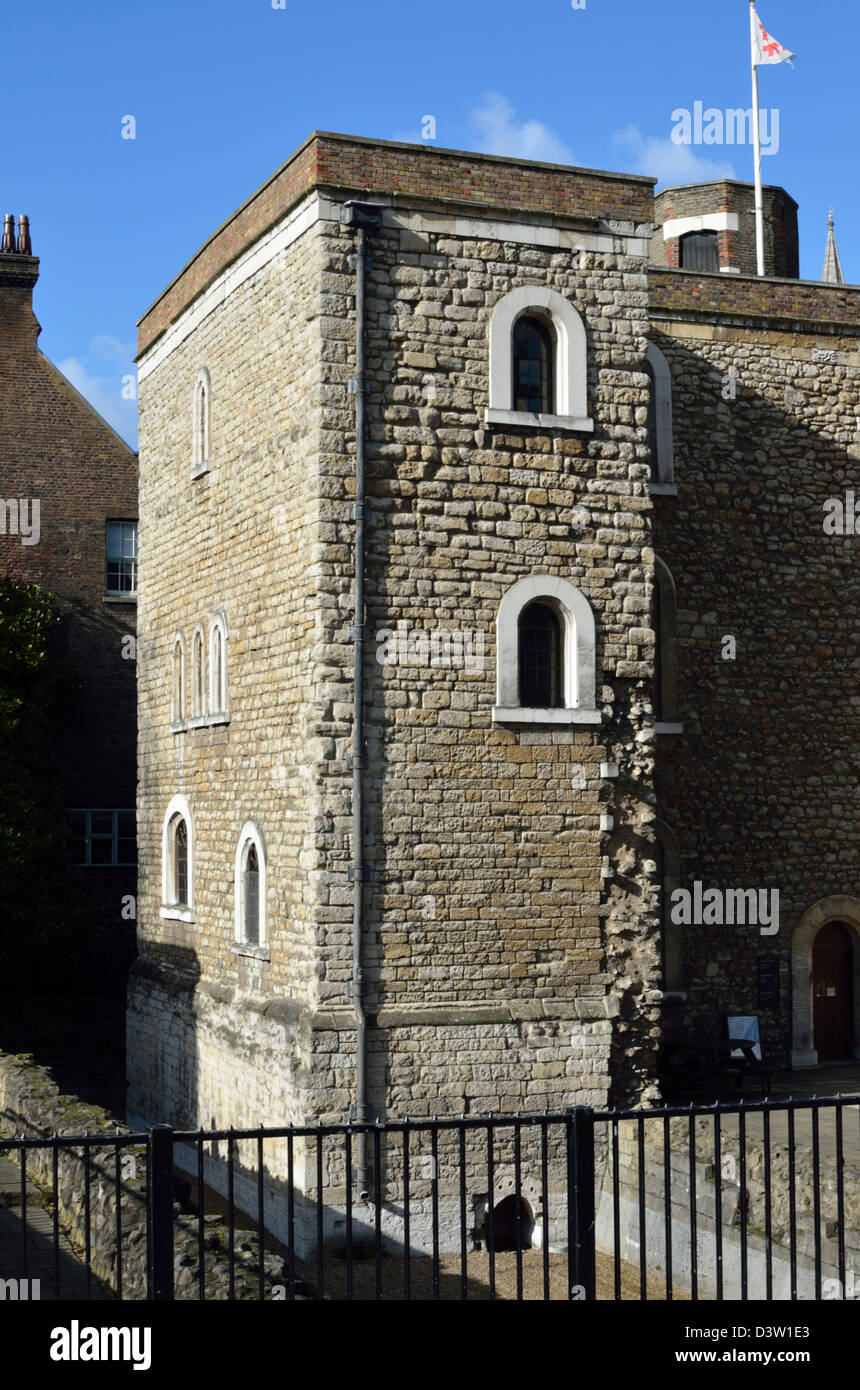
177,810
839,907
579,655
662,387
201,423
250,834
570,359
219,688
505,1184
178,693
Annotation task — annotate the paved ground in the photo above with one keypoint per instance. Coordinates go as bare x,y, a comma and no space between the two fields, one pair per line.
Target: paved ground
536,1286
61,1273
829,1079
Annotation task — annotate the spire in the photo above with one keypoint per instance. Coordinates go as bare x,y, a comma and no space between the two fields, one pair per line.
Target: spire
832,272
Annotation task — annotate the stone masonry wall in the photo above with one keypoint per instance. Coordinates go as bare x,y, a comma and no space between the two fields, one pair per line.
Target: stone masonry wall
761,787
484,841
250,534
491,885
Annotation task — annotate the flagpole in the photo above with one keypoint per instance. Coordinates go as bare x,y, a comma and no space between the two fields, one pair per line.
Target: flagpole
759,197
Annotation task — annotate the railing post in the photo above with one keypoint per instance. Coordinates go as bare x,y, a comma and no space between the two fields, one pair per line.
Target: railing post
161,1213
580,1204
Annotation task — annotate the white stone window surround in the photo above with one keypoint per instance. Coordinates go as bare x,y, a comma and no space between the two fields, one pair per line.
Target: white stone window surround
178,694
662,376
570,364
579,671
250,834
219,696
202,416
170,909
675,227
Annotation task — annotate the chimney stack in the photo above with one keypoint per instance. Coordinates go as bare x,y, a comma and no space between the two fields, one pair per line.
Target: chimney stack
19,271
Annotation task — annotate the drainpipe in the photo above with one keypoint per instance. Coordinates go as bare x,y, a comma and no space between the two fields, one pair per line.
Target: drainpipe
361,216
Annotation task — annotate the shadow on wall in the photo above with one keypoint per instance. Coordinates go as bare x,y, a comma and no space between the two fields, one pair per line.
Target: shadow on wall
755,789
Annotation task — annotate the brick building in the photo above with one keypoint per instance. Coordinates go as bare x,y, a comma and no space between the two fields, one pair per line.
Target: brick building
448,885
69,519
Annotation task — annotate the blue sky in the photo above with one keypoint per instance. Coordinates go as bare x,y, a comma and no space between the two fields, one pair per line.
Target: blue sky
223,91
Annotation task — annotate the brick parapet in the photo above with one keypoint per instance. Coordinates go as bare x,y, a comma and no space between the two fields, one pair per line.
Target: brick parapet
403,174
805,303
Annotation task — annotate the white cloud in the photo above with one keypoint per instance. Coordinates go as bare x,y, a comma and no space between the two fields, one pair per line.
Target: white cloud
99,374
500,132
668,162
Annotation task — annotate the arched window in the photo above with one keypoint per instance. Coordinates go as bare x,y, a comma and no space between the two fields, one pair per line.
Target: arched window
533,366
177,711
541,657
202,393
660,441
198,667
546,654
699,251
218,690
177,861
665,701
250,888
538,363
180,861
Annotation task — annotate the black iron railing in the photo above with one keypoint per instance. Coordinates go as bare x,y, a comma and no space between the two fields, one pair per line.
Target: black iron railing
749,1200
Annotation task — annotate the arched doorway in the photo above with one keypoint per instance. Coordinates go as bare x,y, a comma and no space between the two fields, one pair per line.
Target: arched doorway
841,911
833,993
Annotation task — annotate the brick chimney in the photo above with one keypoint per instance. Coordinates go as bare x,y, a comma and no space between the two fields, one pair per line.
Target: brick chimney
19,271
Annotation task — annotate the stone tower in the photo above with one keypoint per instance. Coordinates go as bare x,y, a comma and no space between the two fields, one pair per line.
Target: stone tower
509,955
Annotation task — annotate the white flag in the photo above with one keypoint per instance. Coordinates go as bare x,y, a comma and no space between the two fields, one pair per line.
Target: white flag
766,49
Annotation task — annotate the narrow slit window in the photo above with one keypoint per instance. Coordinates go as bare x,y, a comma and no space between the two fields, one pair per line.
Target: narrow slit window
180,863
198,687
178,683
252,897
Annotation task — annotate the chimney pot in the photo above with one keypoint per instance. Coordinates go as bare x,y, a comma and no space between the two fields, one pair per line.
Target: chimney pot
24,246
8,244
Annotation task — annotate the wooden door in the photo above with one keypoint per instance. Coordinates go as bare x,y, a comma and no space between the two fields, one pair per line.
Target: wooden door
833,993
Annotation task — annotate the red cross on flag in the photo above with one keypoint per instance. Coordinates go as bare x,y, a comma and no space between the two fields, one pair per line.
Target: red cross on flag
766,49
